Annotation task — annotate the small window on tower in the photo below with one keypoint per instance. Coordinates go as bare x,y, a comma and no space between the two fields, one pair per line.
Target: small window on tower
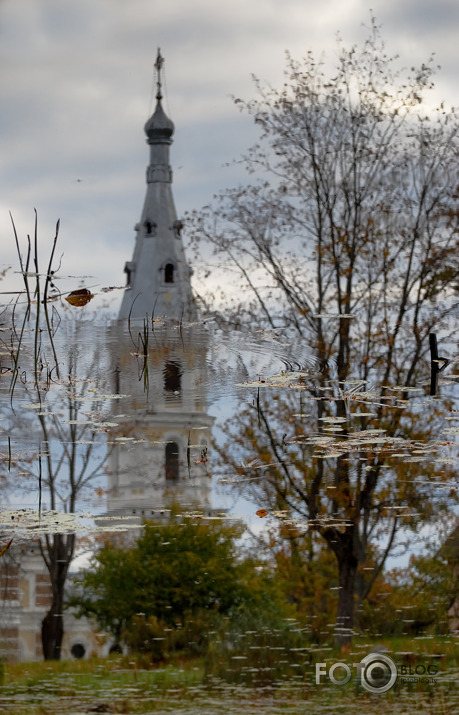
150,227
172,461
129,270
169,273
172,377
177,226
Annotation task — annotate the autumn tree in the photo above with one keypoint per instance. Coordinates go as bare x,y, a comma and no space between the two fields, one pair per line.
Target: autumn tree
347,242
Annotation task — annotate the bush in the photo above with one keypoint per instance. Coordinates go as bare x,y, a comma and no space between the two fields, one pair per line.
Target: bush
178,589
161,642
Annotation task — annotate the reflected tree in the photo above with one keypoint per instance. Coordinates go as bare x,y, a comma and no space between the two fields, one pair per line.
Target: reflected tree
348,241
64,416
67,426
72,461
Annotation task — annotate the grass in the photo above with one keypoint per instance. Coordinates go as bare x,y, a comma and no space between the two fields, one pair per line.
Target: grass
125,685
117,669
117,684
443,649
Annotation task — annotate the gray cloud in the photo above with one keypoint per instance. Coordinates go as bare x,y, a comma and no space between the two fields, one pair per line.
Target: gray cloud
76,88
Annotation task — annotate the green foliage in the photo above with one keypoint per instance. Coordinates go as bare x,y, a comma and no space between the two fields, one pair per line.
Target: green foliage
106,591
171,590
418,599
307,576
258,648
160,641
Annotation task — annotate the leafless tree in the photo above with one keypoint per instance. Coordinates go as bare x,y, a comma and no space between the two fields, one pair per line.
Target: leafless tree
349,240
58,450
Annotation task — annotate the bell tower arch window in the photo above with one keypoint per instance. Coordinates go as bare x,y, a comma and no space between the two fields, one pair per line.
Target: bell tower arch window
169,273
172,377
172,461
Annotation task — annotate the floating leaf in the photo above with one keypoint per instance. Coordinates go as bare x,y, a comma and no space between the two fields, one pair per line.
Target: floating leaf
403,388
332,420
5,548
80,297
261,513
77,422
353,381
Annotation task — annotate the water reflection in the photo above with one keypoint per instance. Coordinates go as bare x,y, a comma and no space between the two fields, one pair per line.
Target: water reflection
133,411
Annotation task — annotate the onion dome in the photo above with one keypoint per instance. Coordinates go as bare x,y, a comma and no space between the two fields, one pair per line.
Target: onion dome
159,127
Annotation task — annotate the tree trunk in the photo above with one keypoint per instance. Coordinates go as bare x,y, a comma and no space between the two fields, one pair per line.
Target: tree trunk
347,570
52,630
57,556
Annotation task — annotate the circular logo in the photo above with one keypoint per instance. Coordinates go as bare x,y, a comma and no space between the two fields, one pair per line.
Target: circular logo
378,673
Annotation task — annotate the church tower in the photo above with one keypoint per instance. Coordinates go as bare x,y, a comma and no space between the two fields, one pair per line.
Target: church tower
158,277
158,454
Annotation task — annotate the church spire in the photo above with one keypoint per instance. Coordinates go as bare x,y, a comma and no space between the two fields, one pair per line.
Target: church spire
159,128
158,277
158,66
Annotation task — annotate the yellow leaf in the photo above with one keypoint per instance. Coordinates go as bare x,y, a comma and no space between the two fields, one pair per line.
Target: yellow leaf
80,297
5,548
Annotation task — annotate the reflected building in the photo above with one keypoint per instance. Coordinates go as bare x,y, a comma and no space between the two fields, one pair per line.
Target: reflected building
25,599
160,431
159,450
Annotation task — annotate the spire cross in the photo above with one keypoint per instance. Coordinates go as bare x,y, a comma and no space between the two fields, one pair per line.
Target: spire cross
158,65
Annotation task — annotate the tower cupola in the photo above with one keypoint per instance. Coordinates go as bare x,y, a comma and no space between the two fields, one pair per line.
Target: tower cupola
158,276
159,128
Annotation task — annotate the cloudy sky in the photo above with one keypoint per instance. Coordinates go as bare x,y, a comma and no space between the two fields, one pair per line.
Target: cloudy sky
76,86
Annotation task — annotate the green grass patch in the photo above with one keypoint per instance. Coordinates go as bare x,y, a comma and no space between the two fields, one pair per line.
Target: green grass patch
99,672
123,684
